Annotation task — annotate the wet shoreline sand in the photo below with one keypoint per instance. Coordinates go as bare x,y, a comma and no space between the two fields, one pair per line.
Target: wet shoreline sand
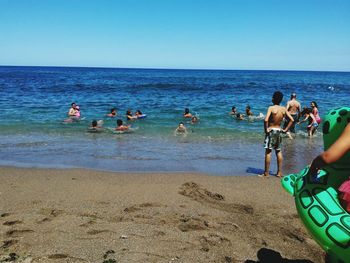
77,215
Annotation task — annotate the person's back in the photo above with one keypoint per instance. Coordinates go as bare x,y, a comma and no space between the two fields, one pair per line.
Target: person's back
273,132
277,114
293,106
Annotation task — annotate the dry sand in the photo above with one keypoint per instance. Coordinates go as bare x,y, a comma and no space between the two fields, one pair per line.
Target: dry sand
49,215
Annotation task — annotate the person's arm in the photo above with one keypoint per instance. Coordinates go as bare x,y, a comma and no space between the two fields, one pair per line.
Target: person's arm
71,112
304,120
291,120
266,121
287,106
334,153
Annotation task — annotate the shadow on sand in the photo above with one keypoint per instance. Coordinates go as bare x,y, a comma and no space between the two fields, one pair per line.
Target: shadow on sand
270,256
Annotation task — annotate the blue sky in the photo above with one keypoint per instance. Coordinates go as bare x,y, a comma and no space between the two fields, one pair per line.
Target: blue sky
220,34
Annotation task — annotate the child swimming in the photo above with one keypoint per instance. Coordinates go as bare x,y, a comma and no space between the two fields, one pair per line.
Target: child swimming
181,129
121,127
187,113
113,113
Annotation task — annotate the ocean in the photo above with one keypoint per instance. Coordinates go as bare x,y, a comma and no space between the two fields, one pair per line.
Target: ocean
34,101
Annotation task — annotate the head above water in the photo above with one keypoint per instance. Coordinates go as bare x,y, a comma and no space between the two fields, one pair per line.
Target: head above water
187,110
94,123
277,97
313,104
119,122
74,105
293,96
113,111
233,108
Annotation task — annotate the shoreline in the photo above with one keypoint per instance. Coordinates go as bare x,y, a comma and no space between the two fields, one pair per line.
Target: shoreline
80,215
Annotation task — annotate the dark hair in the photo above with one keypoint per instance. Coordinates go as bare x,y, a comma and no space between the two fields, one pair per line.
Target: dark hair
187,110
248,107
238,115
293,95
139,112
306,110
119,122
233,107
73,103
314,102
277,97
94,123
113,109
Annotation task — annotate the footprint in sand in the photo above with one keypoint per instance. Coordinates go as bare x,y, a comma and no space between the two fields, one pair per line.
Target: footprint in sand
9,243
215,200
11,223
16,232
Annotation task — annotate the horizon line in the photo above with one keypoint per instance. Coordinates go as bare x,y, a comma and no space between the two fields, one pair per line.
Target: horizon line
194,69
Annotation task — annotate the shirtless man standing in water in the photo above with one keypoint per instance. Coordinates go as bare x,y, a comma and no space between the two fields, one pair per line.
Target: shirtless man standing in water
273,132
294,108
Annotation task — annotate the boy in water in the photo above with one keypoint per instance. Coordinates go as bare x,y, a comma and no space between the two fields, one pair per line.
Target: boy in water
121,127
273,132
113,113
181,129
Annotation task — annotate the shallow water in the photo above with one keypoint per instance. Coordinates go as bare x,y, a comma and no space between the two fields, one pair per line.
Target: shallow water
34,102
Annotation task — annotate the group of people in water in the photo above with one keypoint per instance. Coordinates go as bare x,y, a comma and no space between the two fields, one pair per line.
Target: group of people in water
309,114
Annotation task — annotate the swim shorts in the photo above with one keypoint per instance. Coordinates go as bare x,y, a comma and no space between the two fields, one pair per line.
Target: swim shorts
273,139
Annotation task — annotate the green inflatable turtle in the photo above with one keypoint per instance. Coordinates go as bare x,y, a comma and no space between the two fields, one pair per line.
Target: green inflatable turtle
316,199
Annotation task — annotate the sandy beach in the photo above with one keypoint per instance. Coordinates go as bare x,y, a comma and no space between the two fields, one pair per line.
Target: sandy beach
49,215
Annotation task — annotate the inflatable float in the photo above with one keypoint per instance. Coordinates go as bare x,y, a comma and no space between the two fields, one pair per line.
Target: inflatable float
142,116
316,199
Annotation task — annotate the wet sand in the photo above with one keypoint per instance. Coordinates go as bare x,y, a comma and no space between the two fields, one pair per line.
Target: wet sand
49,215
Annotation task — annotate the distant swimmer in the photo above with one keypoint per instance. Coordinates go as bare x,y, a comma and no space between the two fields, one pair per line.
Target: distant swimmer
194,120
121,127
113,113
233,111
74,110
73,113
96,126
239,116
187,113
181,129
140,115
248,111
273,132
294,108
130,116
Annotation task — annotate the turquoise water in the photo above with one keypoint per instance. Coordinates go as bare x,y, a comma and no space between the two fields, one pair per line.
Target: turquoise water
34,101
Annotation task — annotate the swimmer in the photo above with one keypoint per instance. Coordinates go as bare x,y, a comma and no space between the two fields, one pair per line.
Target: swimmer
77,113
194,120
239,116
310,117
181,129
129,116
96,126
113,113
138,113
233,111
187,113
248,111
121,127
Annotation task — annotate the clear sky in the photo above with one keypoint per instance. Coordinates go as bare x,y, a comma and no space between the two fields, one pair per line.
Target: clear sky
216,34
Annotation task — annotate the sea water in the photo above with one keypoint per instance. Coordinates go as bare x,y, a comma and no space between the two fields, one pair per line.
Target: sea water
34,101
